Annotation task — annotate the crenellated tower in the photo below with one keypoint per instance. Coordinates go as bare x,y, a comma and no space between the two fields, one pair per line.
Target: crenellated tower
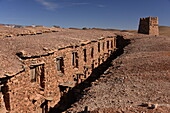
149,25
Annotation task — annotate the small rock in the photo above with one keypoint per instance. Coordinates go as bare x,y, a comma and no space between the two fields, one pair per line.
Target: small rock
45,49
152,106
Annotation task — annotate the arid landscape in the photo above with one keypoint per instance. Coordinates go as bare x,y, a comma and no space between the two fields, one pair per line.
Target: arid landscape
136,79
141,75
84,56
122,71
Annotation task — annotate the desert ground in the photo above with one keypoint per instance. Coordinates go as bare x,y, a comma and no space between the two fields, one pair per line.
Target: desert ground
138,77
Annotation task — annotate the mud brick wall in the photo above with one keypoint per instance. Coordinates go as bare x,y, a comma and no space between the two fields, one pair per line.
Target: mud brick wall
46,78
149,26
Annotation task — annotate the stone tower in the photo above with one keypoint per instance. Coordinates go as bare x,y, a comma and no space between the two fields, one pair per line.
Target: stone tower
149,25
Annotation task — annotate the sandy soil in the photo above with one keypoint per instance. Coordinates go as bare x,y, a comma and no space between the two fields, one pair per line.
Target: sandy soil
140,75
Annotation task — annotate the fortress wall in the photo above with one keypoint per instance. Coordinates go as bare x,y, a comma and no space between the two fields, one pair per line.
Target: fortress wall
46,79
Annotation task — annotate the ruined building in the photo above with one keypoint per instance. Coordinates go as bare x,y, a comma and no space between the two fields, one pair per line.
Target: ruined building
37,71
34,80
149,25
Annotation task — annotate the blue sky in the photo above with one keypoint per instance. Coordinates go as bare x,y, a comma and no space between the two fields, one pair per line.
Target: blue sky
116,14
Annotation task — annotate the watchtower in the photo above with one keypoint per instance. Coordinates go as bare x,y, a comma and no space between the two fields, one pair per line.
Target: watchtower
149,25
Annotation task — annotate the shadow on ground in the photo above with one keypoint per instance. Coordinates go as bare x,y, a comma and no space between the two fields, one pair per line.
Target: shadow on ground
76,93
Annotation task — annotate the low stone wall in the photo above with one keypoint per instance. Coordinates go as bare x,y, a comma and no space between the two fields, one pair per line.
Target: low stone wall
46,78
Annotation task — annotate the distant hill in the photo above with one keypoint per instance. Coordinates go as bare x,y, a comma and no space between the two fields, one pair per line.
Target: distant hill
164,30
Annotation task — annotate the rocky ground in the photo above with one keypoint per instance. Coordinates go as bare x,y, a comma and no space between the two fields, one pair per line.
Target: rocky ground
141,75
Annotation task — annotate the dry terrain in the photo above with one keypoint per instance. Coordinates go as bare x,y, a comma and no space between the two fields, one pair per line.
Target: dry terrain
139,76
164,30
10,32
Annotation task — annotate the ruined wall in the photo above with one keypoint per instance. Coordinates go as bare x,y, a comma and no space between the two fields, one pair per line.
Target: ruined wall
149,26
153,26
46,78
24,95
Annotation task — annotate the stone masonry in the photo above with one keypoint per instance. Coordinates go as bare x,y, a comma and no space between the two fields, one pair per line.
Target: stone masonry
46,78
149,25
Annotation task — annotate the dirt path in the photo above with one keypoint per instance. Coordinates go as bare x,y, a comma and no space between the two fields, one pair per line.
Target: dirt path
140,75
